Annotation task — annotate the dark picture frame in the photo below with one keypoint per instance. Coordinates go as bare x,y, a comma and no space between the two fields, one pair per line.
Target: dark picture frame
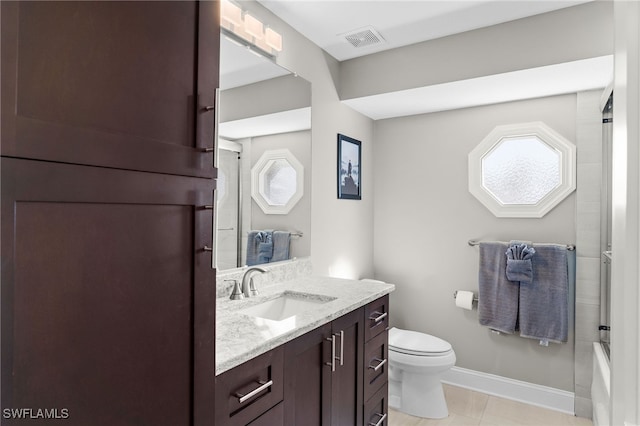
349,168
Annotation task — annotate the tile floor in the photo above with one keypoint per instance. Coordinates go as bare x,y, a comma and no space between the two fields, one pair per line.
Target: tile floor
470,408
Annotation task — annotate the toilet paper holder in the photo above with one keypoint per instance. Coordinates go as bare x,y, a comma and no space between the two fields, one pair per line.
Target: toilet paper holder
455,294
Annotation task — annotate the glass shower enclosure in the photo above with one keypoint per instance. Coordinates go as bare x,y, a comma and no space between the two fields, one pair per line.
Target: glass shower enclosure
605,231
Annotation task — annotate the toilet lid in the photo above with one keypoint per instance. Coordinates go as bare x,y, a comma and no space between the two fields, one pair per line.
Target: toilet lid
415,343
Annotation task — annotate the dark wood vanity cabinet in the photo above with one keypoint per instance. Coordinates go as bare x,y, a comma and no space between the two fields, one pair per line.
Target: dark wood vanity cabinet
331,377
376,362
107,293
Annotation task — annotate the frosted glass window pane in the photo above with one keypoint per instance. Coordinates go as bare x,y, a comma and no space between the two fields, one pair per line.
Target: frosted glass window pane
280,182
521,170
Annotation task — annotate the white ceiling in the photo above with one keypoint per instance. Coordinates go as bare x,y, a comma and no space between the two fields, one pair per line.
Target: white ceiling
399,22
402,23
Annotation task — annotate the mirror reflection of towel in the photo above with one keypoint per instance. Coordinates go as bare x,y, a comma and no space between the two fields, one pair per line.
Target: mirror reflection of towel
265,246
281,240
259,247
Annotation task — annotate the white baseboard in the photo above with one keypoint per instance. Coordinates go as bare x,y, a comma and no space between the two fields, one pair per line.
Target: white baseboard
503,387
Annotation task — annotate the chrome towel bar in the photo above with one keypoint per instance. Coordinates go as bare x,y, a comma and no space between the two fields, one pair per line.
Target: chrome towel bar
570,247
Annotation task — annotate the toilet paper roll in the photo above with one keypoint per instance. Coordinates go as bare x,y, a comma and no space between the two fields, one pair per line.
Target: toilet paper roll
464,300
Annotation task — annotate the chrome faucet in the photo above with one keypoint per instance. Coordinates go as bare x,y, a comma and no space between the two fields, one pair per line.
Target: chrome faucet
248,287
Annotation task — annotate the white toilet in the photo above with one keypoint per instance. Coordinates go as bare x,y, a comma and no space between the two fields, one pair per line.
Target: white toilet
416,363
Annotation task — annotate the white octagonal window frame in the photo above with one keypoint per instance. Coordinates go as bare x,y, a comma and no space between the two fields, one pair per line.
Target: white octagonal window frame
565,150
259,180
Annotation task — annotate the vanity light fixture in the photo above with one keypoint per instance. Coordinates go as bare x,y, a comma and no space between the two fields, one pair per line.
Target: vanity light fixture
273,39
253,26
245,28
230,13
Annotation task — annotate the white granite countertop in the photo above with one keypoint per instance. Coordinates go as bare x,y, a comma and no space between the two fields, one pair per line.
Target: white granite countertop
240,337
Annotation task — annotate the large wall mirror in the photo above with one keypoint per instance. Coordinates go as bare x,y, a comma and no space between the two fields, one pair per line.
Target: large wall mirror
264,109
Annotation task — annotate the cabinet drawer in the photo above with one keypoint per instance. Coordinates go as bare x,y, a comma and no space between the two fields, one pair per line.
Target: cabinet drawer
376,409
376,364
273,417
250,389
376,316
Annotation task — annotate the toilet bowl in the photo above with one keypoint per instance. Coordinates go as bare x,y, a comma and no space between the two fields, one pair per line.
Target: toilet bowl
416,363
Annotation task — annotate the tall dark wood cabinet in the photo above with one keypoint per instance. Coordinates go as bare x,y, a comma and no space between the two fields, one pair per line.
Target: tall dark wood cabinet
107,291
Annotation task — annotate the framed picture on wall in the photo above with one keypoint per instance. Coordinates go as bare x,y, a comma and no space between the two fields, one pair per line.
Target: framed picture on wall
349,178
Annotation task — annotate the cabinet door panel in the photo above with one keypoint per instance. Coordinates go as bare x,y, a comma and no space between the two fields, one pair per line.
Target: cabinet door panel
106,293
347,380
114,84
308,379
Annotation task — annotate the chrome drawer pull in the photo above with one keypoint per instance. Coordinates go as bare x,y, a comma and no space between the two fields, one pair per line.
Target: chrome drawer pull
383,417
265,385
333,353
378,318
341,347
381,362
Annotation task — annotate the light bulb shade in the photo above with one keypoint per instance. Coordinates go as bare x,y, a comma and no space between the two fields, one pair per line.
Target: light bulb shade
273,39
230,13
253,26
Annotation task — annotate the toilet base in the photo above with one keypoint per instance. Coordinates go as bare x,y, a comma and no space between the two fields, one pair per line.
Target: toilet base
419,395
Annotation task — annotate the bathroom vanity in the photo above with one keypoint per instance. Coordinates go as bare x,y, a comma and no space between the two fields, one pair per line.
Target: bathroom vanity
312,351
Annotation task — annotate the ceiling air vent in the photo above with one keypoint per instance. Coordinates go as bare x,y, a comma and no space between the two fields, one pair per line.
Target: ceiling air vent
363,37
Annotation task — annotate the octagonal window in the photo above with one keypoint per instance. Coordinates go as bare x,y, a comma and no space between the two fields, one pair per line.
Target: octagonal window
522,170
277,181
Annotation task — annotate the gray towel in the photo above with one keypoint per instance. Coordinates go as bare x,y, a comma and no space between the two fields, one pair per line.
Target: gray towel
259,247
265,246
252,248
544,302
519,266
497,296
281,241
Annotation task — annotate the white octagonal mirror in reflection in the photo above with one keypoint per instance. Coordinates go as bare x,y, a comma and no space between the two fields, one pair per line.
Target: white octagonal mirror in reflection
277,181
521,170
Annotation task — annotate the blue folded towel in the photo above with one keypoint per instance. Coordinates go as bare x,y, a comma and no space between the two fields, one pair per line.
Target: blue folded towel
265,246
281,243
544,302
259,247
519,266
252,248
497,296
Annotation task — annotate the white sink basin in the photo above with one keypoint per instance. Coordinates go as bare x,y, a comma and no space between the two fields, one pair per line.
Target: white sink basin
286,305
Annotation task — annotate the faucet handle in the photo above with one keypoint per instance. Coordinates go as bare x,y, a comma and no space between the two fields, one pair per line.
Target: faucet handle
236,294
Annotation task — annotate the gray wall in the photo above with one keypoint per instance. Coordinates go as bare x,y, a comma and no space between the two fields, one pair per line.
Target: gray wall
424,216
266,97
